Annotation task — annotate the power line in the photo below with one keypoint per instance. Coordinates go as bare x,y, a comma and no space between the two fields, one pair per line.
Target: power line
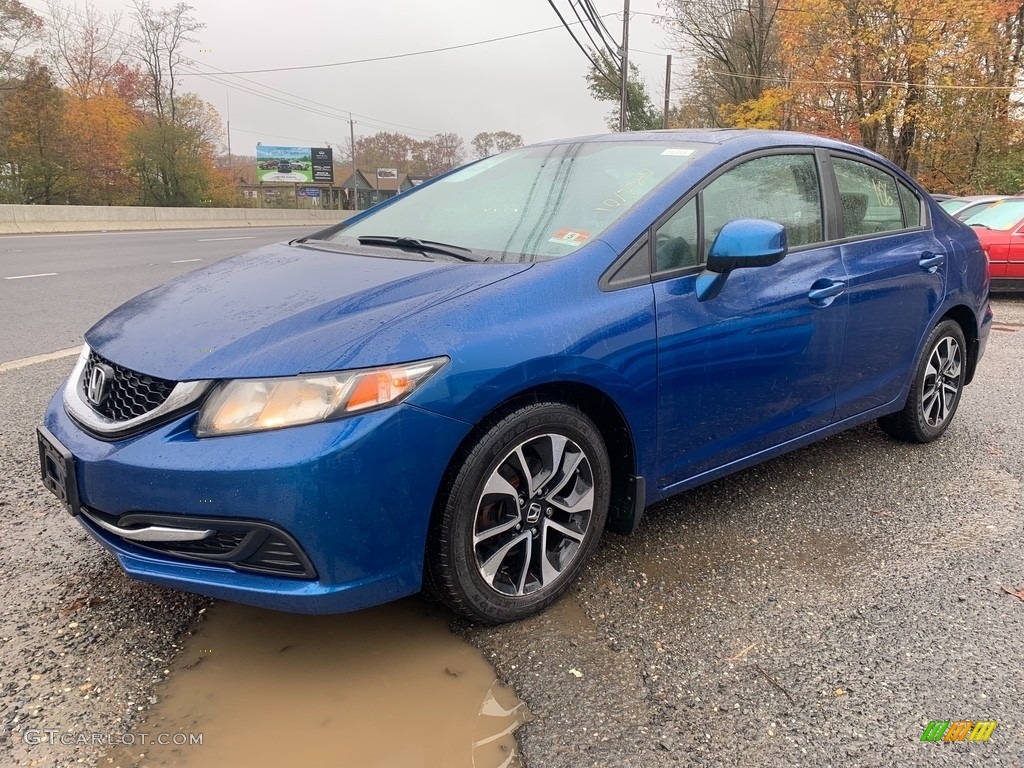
568,28
598,21
602,31
335,113
597,47
395,55
311,142
345,112
328,111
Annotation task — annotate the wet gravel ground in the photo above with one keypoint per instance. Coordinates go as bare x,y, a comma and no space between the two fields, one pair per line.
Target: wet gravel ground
81,646
818,609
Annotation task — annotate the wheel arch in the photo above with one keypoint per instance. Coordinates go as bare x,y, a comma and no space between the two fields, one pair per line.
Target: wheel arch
964,317
628,490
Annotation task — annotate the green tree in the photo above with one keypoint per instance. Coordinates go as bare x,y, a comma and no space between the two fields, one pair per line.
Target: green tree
174,162
32,139
604,82
485,144
172,151
167,173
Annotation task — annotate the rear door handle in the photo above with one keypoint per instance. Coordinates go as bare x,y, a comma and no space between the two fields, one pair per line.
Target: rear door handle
931,261
824,294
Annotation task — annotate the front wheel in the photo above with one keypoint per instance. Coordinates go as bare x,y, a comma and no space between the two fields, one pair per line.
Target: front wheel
935,393
522,515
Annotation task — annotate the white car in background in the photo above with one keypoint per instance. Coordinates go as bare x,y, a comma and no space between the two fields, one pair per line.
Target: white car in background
964,207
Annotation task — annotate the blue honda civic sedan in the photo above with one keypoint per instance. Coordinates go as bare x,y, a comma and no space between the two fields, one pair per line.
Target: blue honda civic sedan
464,387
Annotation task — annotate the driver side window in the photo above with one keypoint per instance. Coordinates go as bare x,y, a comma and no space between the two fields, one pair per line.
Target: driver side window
779,188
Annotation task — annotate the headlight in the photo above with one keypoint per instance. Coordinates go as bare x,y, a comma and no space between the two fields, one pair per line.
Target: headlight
252,405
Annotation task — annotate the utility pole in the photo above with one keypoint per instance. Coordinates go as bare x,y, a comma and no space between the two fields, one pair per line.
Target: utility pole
231,163
624,74
668,88
352,138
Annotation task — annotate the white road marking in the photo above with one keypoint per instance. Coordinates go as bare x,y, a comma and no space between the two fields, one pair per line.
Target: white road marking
185,261
24,362
215,239
185,231
23,277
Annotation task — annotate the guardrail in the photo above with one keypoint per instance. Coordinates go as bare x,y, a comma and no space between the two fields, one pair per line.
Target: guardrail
30,219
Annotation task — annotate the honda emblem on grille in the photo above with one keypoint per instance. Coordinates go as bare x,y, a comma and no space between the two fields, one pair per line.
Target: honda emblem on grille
97,387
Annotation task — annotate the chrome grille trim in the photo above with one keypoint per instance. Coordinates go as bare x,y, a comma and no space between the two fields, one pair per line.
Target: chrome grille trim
184,394
129,393
149,532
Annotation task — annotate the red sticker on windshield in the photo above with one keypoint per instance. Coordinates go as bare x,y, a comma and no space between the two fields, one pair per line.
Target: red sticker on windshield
570,237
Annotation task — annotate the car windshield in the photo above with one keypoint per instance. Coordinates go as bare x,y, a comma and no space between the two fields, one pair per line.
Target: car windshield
1004,215
973,210
529,204
954,204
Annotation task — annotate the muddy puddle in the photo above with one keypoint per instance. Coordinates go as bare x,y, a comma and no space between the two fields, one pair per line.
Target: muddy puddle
390,686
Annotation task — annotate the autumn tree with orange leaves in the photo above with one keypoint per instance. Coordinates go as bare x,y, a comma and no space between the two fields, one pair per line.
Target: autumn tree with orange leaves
927,83
95,116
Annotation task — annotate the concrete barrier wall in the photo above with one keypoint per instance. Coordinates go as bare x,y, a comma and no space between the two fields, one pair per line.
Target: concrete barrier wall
28,219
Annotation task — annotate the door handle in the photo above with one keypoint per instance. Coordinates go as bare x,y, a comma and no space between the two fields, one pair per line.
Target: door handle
931,261
825,293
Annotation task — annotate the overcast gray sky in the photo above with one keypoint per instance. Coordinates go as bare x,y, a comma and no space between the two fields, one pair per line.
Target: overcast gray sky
531,85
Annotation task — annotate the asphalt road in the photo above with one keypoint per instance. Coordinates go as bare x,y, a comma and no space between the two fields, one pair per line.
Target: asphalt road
54,287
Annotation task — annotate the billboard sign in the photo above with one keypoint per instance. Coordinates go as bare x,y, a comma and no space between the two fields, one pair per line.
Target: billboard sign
323,164
283,164
309,192
387,173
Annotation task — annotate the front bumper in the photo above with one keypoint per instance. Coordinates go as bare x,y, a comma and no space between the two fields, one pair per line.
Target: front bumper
356,496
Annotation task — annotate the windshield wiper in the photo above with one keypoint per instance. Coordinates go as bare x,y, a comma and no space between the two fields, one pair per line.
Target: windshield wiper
423,246
979,224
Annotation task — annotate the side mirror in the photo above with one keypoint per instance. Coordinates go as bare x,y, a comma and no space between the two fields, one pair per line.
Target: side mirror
741,243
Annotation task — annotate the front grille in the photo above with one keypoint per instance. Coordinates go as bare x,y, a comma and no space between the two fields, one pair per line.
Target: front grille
130,394
222,543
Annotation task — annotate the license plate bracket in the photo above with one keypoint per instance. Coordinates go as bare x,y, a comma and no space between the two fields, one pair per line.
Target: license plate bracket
57,467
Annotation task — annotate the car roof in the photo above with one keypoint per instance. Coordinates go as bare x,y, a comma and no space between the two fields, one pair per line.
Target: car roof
738,140
976,198
711,136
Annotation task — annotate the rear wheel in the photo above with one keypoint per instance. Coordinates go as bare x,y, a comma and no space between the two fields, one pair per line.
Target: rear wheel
935,393
522,514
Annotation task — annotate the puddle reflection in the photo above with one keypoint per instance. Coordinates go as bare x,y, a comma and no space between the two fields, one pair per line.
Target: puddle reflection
390,686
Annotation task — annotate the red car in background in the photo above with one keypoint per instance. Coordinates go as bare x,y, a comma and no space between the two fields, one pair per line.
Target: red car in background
1001,231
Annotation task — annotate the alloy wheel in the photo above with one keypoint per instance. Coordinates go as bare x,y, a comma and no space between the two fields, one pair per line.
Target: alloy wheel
533,515
942,381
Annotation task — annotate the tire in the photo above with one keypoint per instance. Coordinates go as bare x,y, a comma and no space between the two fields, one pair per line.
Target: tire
521,514
937,388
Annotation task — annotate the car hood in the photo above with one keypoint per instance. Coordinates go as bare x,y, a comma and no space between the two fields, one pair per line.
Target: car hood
992,235
277,311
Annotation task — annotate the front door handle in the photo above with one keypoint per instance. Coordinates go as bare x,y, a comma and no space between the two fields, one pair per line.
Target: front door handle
931,261
825,292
